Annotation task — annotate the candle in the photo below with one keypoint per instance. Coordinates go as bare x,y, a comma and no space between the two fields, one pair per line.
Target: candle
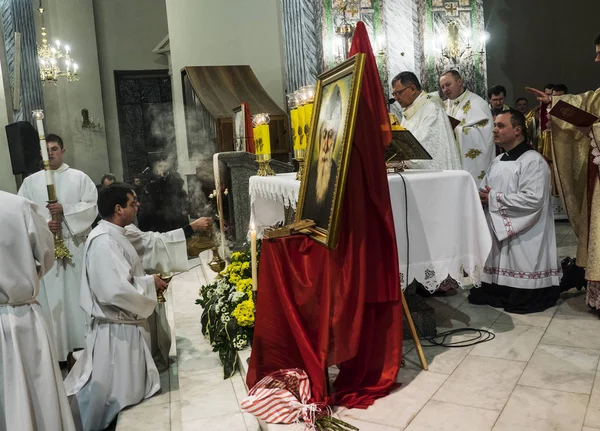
258,148
308,109
295,137
301,123
43,148
253,257
49,177
218,197
266,138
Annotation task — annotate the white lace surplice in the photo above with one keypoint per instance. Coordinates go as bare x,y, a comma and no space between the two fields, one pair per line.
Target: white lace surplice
521,221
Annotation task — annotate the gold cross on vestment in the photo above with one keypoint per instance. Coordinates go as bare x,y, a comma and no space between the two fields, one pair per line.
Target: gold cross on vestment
353,11
451,9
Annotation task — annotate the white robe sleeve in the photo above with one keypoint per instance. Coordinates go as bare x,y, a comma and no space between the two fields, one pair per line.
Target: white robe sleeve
111,280
80,216
41,240
433,135
515,212
159,252
24,190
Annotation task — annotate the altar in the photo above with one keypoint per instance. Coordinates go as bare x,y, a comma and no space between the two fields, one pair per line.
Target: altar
440,225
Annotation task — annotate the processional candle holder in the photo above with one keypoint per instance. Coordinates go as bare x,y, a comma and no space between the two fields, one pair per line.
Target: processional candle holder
262,144
60,249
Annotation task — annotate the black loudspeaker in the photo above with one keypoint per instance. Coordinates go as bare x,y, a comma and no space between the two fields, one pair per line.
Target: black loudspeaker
24,147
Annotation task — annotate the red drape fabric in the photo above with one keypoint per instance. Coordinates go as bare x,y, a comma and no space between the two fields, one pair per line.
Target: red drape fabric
248,130
318,307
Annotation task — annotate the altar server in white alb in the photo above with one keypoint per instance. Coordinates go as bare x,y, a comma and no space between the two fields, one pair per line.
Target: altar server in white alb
425,118
32,395
522,273
77,195
116,368
163,253
474,133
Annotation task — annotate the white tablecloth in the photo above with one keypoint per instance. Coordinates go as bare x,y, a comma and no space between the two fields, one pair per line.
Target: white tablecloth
446,232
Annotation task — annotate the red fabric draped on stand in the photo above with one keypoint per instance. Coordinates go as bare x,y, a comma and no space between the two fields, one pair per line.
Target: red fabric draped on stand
318,307
248,130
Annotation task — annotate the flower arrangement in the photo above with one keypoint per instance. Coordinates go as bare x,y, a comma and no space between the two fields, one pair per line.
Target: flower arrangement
228,310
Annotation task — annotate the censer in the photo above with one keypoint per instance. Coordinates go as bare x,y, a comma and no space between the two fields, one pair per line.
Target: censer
202,241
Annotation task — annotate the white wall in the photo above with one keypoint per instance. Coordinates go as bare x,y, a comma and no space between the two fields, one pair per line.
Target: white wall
126,32
72,21
224,32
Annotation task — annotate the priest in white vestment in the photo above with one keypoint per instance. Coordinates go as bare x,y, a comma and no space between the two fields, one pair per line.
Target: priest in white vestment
59,292
522,273
426,119
32,395
116,368
474,133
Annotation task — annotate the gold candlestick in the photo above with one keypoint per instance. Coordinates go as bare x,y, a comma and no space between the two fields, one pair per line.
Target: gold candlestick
300,155
60,249
264,169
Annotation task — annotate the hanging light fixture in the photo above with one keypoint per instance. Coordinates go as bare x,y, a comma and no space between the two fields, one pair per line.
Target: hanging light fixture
54,59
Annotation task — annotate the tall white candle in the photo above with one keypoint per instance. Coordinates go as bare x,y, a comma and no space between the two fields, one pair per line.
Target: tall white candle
43,148
49,176
39,117
253,257
218,197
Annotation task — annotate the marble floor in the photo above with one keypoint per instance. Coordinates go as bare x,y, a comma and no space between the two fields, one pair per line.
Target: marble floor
541,372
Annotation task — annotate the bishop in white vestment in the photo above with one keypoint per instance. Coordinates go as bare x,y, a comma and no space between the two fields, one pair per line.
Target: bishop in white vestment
32,395
59,293
474,133
522,273
116,368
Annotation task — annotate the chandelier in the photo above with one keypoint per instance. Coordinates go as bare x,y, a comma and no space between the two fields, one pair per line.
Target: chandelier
55,61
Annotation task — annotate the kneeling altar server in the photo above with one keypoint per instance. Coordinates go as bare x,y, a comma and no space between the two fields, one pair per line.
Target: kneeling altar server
522,273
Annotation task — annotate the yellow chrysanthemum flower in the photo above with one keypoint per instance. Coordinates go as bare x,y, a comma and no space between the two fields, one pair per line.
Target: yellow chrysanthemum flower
236,256
244,313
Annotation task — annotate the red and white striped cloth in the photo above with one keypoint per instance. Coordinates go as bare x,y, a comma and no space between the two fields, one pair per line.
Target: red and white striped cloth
282,397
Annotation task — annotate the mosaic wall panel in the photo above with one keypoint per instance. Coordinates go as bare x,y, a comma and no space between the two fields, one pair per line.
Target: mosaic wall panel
17,16
453,21
403,34
368,11
303,42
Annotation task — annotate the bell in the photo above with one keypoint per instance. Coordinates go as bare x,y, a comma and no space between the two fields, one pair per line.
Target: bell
216,264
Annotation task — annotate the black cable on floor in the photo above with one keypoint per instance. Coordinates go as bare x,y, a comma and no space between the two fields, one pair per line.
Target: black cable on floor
479,336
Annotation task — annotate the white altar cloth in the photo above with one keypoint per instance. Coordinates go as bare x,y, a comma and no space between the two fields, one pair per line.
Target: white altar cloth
446,232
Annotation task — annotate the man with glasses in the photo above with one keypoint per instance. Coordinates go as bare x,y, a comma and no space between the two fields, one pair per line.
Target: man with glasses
425,118
76,207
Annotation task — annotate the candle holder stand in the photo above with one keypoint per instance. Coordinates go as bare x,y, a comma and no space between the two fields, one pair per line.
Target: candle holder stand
264,169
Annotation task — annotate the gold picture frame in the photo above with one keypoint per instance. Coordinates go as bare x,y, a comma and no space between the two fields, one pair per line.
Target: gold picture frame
329,148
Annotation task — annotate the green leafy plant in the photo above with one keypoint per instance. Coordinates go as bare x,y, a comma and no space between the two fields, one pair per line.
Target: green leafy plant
228,310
